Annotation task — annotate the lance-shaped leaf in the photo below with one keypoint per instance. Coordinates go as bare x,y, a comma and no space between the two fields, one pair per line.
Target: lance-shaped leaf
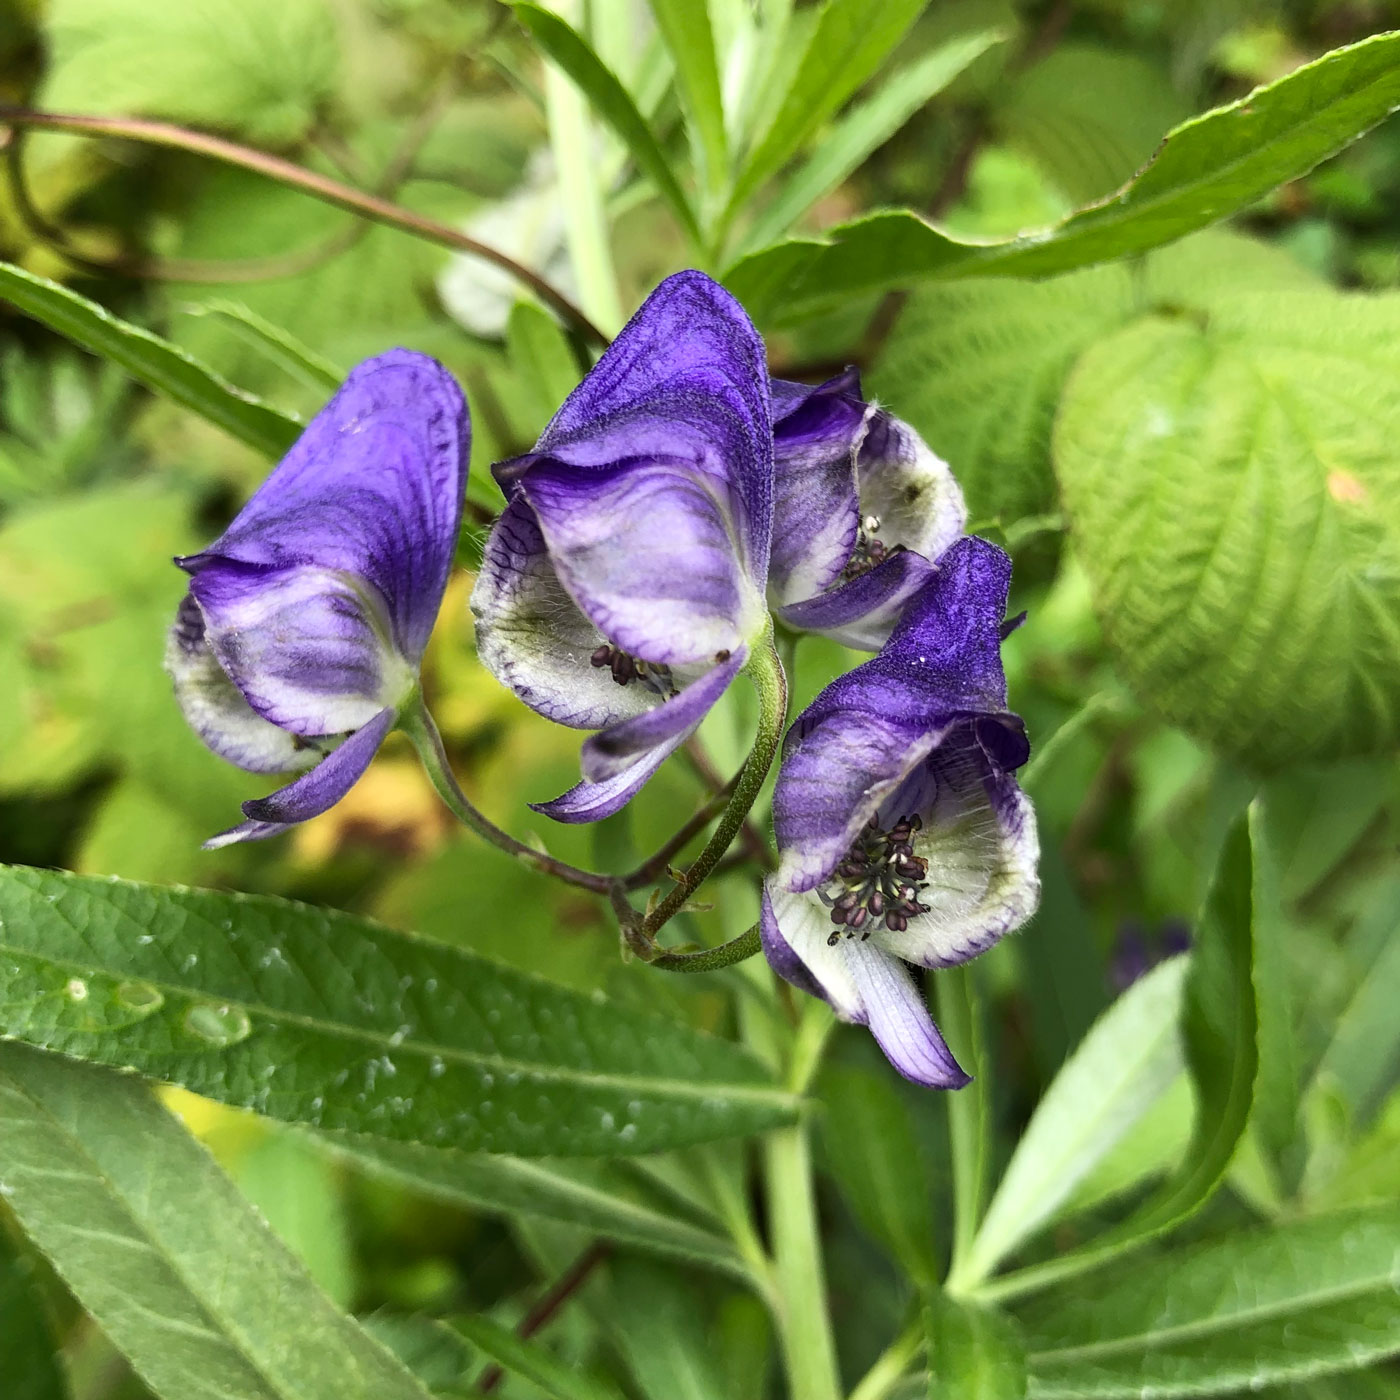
155,362
177,1267
1206,169
317,1017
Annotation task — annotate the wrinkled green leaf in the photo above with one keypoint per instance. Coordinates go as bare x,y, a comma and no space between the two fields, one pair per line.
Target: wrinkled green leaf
177,1268
529,1359
1126,1063
610,101
1206,169
974,1352
317,1017
155,362
1307,1298
1233,488
28,1348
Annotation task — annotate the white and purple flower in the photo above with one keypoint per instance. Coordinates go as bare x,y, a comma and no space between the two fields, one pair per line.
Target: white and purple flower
301,635
623,586
863,509
902,835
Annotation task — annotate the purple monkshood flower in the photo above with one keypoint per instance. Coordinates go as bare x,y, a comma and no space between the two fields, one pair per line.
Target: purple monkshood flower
622,587
902,836
301,635
862,510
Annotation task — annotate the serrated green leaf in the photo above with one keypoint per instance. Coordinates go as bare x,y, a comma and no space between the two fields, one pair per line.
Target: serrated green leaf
1307,1298
177,1268
979,366
866,127
1127,1062
590,1195
155,362
317,1017
850,40
610,101
974,1352
1233,489
28,1349
260,67
685,25
556,1379
1206,169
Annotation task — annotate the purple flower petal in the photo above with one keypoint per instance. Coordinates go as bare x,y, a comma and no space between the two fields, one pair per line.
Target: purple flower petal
216,710
862,612
591,802
306,646
532,637
372,489
618,747
900,1021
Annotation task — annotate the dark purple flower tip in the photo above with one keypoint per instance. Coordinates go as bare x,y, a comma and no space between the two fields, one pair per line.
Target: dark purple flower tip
857,493
627,570
902,836
306,620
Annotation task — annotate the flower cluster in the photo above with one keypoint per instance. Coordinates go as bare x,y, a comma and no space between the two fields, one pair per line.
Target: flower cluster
679,506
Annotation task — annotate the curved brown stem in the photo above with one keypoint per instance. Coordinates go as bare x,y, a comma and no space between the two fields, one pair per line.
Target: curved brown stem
311,182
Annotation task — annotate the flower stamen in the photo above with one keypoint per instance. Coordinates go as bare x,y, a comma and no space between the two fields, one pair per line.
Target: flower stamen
627,668
878,882
870,551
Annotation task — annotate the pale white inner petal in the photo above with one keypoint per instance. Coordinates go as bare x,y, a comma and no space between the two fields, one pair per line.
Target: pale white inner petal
911,491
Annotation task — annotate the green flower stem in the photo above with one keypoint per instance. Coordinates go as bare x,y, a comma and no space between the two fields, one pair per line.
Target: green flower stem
655,866
417,723
770,681
959,1016
711,959
892,1363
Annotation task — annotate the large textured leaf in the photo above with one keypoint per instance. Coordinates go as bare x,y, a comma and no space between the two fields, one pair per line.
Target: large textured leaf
978,366
1251,1309
1206,169
157,1244
592,1195
155,362
262,67
28,1349
1125,1064
1234,489
317,1017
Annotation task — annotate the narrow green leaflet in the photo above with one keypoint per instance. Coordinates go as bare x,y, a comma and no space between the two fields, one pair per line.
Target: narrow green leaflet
864,128
157,1244
1126,1063
974,1352
1206,169
611,101
1252,1309
155,362
280,346
28,1348
545,371
850,40
531,1361
685,25
317,1017
590,1195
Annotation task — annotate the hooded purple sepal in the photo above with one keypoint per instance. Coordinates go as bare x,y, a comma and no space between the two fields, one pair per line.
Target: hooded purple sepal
862,508
902,834
306,621
624,581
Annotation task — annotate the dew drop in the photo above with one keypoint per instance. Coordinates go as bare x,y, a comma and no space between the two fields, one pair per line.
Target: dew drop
219,1025
140,997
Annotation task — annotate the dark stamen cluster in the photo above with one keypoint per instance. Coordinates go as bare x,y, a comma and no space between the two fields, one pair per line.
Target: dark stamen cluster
869,551
878,883
626,668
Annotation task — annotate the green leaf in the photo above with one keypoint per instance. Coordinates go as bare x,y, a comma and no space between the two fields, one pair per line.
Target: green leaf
1303,1299
850,40
545,369
1235,496
974,1352
611,101
317,1017
280,346
557,1379
155,362
28,1350
1205,170
865,128
685,25
1126,1063
593,1196
261,67
176,1267
978,367
875,1156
